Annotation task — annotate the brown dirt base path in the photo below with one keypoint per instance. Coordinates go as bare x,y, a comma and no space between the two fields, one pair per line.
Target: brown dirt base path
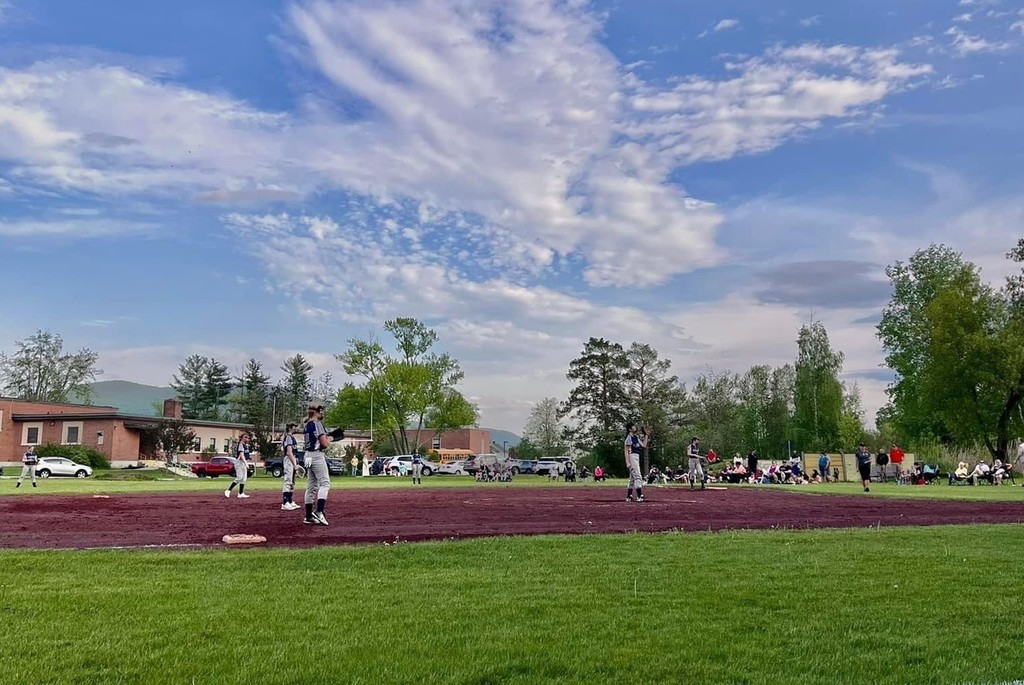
374,516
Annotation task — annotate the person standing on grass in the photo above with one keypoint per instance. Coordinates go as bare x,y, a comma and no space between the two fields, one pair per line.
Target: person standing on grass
29,461
318,478
417,469
288,446
864,466
241,462
634,447
824,463
696,472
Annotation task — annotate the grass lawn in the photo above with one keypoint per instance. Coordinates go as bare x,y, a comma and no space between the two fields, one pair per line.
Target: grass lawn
117,481
865,606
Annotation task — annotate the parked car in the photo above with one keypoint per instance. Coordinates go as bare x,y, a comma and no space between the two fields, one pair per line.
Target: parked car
336,467
218,466
455,468
491,461
527,466
59,466
546,465
401,465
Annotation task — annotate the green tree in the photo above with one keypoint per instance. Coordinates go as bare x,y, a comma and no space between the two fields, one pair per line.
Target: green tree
818,400
41,371
527,450
905,331
717,414
598,403
251,401
202,385
851,422
405,386
543,431
174,436
451,411
973,376
654,396
296,387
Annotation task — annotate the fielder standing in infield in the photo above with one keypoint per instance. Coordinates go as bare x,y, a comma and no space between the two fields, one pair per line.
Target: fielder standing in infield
634,446
241,462
29,461
318,479
288,446
696,472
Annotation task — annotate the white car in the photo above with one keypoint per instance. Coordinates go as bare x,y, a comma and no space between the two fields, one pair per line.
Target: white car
402,465
549,464
456,468
59,466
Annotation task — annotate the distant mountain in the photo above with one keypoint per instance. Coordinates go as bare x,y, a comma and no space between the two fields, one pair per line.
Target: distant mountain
130,398
500,436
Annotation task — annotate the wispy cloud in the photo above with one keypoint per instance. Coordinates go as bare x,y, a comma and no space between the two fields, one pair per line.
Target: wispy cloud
72,229
726,24
964,44
808,22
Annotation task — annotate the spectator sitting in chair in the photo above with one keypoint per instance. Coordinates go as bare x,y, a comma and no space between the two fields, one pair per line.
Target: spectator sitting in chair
598,474
981,472
998,472
960,474
652,475
584,473
815,476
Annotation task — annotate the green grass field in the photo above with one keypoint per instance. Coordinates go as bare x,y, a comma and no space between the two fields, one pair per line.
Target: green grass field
113,482
857,606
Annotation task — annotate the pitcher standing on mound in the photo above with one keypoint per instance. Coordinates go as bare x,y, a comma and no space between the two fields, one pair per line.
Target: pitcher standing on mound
318,479
634,446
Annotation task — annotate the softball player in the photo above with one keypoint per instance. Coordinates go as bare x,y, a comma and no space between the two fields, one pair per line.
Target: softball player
28,467
693,451
634,445
241,462
417,469
318,479
288,445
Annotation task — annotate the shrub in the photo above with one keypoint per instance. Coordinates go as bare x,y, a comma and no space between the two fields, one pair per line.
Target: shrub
76,453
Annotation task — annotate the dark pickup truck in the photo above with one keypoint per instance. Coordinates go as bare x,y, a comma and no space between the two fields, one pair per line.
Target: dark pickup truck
275,467
218,466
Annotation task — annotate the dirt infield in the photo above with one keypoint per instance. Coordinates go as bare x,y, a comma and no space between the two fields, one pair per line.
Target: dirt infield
375,516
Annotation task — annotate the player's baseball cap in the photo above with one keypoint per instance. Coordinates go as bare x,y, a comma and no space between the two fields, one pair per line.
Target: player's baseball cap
316,405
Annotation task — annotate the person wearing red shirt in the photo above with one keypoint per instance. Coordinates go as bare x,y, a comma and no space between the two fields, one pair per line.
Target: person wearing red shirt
896,455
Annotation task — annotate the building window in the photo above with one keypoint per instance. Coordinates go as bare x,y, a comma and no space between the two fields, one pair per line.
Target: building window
213,444
71,437
436,442
1,422
31,433
72,432
197,445
99,437
227,445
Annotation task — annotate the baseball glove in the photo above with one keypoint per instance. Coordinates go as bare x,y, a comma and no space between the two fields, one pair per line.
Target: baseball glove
300,471
337,434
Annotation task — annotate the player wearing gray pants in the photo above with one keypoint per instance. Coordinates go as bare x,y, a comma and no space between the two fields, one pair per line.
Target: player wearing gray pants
696,471
288,446
634,445
241,462
29,461
417,470
318,478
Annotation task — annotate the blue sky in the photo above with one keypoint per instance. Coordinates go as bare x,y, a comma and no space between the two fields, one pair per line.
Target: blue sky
258,179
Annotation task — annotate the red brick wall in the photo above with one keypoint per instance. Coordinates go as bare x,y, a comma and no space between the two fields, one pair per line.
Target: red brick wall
119,443
475,440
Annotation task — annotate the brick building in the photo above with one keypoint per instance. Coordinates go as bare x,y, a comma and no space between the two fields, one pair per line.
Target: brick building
118,436
475,440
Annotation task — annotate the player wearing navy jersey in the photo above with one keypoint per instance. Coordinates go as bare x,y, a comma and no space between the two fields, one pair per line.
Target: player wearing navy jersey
417,469
696,472
634,447
241,461
288,446
318,479
29,461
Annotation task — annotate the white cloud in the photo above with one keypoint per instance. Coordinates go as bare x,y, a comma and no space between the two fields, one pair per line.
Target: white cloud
964,44
511,115
808,22
726,24
72,229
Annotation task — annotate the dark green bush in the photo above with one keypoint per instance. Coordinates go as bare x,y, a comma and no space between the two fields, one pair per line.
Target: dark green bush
77,453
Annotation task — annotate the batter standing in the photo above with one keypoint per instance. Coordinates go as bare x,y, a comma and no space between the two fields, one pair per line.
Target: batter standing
634,446
29,460
288,445
241,462
864,466
318,479
693,451
417,469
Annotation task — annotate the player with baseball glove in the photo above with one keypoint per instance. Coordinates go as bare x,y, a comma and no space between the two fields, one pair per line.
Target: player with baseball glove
291,467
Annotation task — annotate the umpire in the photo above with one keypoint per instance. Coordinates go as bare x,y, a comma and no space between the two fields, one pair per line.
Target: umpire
318,479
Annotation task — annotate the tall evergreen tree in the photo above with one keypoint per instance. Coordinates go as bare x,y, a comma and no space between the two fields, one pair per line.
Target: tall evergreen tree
296,387
251,403
190,385
598,403
818,400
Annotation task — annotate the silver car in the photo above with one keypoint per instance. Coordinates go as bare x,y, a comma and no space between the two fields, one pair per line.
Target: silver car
59,466
455,468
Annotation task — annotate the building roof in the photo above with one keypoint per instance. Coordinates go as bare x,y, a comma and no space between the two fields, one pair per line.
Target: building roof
132,420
